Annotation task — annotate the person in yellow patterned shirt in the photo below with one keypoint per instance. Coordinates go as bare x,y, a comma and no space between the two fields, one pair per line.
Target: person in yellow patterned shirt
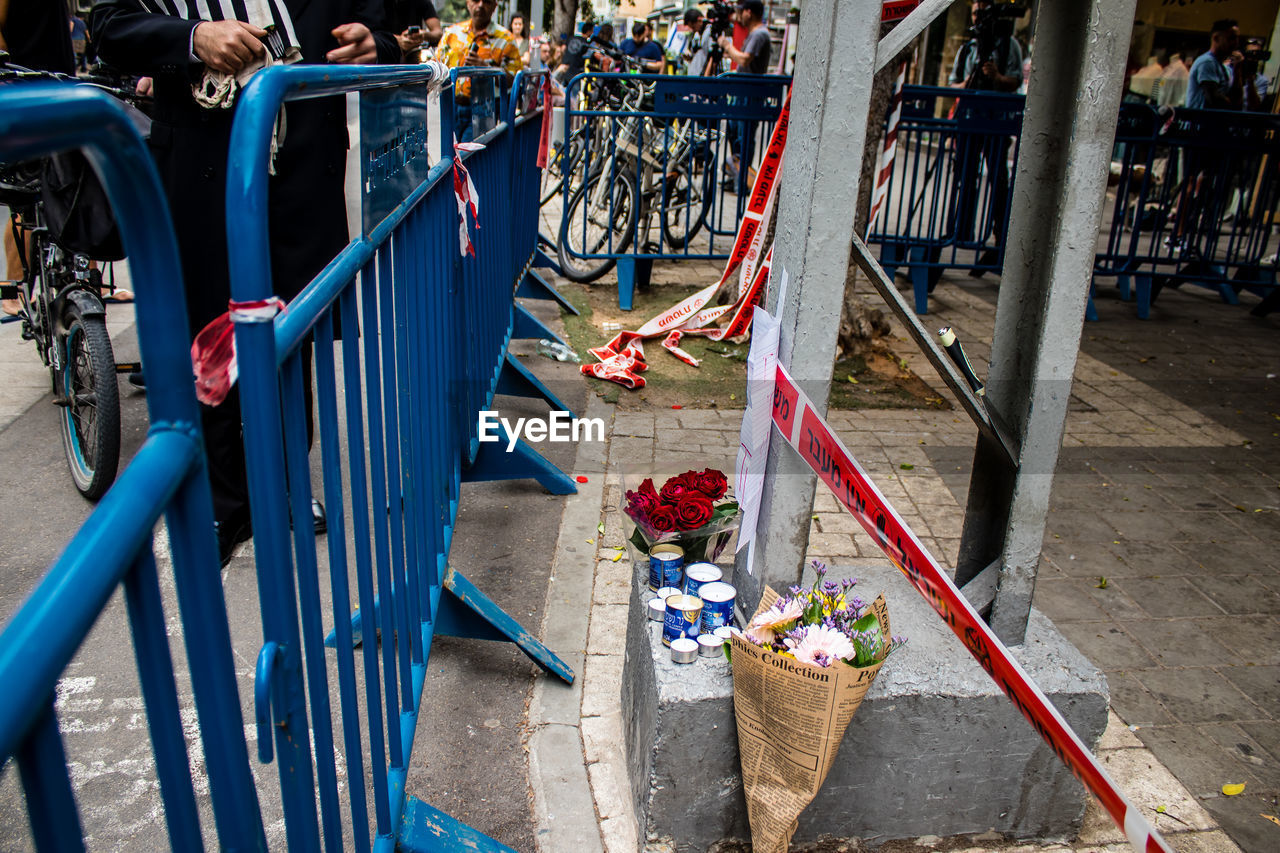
478,42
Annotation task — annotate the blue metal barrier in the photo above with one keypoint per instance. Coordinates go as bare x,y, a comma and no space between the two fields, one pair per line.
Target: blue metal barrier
114,547
657,167
1195,195
422,350
948,199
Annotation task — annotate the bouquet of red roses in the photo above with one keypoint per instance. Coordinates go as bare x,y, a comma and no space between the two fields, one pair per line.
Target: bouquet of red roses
689,509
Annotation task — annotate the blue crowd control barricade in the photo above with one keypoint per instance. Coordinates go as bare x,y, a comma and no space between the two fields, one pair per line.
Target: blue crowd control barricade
114,547
947,197
655,166
423,336
1195,194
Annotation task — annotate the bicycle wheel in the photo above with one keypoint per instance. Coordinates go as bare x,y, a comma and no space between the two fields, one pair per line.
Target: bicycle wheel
90,402
598,218
685,203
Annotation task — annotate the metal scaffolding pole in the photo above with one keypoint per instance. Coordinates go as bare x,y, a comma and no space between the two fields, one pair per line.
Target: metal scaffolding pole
1058,191
835,62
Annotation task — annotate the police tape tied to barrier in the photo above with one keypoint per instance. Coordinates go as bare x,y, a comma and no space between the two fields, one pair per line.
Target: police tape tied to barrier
795,417
622,359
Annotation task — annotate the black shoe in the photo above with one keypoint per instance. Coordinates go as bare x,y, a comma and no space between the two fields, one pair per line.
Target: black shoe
137,380
318,517
231,532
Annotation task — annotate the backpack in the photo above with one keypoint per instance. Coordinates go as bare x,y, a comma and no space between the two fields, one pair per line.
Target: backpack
77,210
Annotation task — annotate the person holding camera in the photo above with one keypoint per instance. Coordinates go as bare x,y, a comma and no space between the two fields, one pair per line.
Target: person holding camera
1220,78
477,42
992,59
415,23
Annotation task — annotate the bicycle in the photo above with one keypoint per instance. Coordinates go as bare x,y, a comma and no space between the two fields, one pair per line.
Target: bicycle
639,168
60,295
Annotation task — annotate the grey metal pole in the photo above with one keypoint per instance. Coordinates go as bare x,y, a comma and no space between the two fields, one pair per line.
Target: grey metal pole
1058,192
535,28
835,61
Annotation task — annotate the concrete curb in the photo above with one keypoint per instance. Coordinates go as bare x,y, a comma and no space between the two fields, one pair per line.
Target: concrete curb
563,809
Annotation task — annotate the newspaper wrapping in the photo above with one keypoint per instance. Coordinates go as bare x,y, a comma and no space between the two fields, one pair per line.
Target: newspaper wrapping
791,718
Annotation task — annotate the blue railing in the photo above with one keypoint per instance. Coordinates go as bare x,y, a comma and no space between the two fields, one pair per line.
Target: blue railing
113,548
410,341
947,198
423,349
1194,195
657,167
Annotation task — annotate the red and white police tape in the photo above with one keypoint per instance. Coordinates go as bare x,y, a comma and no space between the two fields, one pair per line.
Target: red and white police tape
213,352
896,10
885,167
465,191
809,434
621,359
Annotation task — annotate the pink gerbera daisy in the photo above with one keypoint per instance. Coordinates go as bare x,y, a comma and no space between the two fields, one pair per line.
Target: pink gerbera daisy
822,646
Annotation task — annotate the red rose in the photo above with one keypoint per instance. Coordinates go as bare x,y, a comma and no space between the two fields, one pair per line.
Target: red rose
662,519
675,489
641,503
710,483
693,511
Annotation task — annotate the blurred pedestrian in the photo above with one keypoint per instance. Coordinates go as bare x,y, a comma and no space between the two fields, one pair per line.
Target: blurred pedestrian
37,36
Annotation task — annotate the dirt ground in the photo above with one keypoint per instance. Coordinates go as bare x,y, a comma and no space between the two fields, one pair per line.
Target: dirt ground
878,380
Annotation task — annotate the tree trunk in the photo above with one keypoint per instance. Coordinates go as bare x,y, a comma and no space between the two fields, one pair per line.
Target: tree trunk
566,12
860,324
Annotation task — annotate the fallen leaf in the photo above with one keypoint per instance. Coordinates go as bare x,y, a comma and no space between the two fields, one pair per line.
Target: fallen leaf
591,541
600,527
617,556
1232,788
1102,583
851,379
907,466
1160,809
1271,818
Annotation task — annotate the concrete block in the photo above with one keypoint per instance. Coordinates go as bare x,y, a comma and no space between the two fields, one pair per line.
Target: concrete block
936,748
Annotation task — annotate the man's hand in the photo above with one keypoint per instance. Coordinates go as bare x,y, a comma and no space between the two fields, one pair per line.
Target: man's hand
410,41
145,86
355,45
989,70
227,46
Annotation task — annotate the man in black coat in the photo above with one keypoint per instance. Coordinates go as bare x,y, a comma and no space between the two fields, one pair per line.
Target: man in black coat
307,209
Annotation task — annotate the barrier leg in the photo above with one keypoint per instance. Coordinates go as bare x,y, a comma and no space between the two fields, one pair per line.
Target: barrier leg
1122,282
493,462
1091,310
425,829
529,327
535,286
541,260
518,381
920,284
891,255
467,612
1144,295
626,283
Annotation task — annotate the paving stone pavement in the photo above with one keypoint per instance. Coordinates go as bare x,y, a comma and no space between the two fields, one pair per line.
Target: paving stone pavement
1160,559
